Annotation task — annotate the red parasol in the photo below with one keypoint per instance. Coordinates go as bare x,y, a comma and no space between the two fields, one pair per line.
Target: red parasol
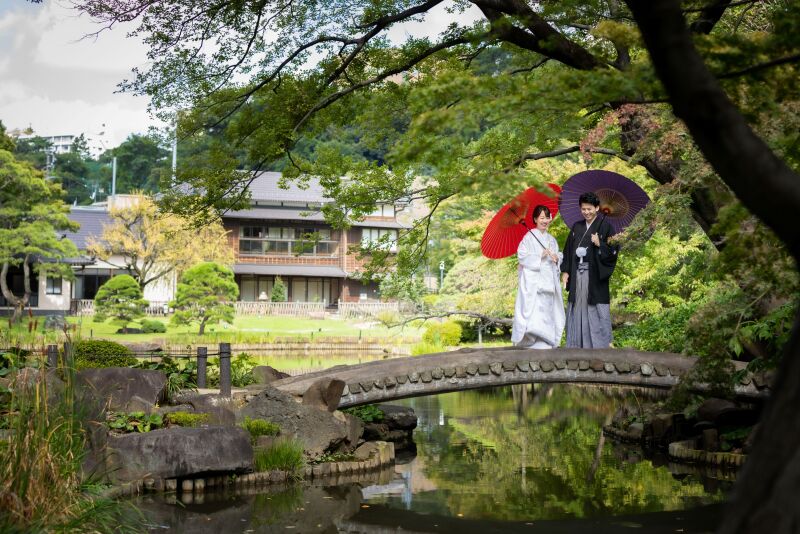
503,235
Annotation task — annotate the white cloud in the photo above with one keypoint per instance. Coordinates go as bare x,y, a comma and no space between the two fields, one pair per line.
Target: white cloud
59,84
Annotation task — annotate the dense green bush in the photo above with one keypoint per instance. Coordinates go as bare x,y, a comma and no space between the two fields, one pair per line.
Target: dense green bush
447,333
152,326
94,353
187,419
178,376
241,371
260,427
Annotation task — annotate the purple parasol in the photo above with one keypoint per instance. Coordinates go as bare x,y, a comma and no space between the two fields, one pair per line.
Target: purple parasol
620,198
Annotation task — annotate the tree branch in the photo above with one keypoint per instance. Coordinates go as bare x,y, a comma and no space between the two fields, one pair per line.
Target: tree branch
541,37
760,66
330,99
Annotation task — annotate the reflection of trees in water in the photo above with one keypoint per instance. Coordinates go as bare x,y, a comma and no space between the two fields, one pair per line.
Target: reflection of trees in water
533,453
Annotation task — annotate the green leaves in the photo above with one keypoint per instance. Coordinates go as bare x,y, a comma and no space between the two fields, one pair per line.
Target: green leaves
205,294
133,422
120,298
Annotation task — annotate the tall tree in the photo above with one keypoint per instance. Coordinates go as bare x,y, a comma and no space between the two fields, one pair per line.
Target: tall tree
205,295
32,221
577,82
141,161
152,245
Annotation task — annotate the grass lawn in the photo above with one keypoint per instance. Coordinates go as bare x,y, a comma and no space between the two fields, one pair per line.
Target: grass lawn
245,329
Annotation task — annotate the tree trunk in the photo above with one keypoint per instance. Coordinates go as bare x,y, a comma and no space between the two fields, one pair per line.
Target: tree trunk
765,496
203,326
18,304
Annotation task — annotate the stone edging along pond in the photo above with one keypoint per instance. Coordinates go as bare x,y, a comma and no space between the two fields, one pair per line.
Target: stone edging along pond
376,455
685,451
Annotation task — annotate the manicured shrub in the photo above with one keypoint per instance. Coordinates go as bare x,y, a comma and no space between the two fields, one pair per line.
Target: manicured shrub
152,326
187,419
447,333
94,353
284,454
260,427
278,291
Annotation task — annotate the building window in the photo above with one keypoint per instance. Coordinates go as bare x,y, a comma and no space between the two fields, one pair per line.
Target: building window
283,241
385,237
383,210
53,285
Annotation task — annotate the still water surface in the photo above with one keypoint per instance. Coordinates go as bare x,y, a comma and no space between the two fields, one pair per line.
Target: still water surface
519,459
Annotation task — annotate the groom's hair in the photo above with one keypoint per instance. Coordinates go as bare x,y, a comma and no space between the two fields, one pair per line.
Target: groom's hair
589,198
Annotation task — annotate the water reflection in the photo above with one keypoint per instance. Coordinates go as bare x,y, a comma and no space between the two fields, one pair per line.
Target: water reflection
501,460
536,453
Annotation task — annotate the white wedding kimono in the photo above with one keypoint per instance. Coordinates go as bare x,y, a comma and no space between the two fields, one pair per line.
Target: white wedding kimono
539,311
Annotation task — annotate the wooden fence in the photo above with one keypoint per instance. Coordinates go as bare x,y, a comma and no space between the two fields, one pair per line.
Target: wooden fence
349,310
287,309
85,307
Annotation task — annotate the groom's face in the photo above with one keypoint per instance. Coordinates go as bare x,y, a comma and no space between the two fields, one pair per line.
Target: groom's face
589,211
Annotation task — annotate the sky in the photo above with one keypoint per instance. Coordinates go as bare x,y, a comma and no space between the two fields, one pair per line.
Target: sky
59,82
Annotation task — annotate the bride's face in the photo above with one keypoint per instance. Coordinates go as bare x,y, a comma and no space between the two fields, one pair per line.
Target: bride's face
543,221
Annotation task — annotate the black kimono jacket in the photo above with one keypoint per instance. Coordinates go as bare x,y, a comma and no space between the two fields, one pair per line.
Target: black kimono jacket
602,259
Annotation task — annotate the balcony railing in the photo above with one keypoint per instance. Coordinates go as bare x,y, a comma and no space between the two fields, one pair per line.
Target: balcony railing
288,247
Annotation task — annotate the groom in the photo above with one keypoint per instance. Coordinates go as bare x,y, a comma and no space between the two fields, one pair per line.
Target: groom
588,264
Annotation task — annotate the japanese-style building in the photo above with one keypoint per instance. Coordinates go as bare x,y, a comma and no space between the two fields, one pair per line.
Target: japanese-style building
283,234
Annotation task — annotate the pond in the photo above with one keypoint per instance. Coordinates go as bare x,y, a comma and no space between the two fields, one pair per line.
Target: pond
513,459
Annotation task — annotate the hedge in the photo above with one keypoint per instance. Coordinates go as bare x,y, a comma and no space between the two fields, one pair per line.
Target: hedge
94,353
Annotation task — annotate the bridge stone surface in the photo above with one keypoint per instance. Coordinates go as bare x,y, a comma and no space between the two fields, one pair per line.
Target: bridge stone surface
473,368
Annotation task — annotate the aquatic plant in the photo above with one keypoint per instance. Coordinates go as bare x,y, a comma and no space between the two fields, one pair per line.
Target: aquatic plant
284,454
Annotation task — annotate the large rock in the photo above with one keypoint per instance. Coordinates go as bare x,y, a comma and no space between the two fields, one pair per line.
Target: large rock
221,410
398,417
179,452
713,408
116,386
396,427
319,430
723,412
324,394
354,425
264,374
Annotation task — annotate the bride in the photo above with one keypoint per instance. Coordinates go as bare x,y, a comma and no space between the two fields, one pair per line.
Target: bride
539,310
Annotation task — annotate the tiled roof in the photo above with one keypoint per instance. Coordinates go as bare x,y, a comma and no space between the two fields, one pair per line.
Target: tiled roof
91,221
299,215
265,188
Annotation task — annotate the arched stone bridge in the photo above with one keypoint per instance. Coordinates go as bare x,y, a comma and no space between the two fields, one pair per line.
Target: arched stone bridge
416,376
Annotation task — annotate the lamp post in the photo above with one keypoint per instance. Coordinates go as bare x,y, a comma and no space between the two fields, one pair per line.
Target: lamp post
441,275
